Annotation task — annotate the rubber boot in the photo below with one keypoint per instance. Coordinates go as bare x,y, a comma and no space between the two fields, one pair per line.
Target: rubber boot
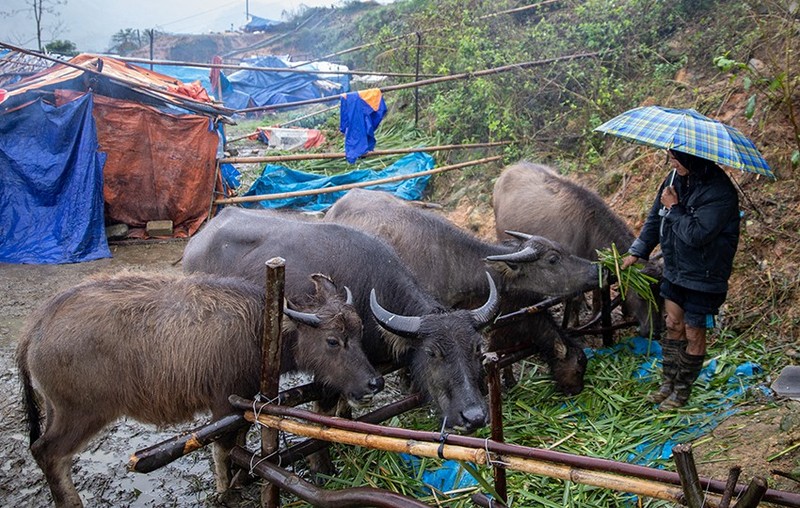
670,350
689,370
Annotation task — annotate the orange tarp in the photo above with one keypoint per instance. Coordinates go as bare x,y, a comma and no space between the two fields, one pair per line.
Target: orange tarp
159,166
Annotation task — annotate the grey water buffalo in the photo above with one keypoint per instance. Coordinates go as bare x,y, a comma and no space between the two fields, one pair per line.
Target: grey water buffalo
449,262
403,323
161,349
534,199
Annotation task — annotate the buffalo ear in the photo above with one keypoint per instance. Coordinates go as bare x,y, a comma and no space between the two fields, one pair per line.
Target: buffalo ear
323,284
504,269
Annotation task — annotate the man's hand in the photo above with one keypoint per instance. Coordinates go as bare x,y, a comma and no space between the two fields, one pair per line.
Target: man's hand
628,261
669,197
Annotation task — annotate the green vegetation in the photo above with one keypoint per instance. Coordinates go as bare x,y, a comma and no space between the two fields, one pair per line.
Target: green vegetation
609,419
62,47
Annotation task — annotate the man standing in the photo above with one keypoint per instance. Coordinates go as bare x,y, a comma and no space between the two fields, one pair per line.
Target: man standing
695,218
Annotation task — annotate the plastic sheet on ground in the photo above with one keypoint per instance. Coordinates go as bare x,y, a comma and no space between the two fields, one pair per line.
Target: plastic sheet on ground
276,179
290,138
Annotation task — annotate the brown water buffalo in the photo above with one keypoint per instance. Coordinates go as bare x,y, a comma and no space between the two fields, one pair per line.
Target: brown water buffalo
533,199
442,347
161,349
449,262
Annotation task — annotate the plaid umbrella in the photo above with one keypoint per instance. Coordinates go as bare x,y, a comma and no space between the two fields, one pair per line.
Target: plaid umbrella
686,130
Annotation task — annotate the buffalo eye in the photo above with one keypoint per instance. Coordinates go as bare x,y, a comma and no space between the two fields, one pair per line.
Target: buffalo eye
553,259
333,342
431,353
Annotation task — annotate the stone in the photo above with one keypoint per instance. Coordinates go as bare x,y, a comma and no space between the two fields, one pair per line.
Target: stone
159,228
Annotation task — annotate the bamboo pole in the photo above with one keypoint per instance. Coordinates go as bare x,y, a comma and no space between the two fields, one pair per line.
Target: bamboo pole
581,462
143,88
294,70
307,447
431,81
356,496
340,155
518,9
601,479
309,115
312,192
403,36
161,454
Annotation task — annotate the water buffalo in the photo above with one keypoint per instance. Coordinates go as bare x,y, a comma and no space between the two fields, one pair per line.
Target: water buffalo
533,199
442,347
449,262
160,349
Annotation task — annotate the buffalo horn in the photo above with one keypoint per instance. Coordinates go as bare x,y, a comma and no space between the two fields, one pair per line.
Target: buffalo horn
349,300
527,254
485,314
405,326
519,235
307,318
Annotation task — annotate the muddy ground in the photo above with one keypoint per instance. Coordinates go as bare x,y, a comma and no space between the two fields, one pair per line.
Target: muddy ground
101,474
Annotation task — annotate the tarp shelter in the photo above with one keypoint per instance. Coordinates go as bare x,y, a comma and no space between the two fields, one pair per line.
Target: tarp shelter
255,88
51,184
160,138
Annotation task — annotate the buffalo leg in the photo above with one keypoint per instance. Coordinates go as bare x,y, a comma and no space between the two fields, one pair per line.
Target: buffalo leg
55,449
320,463
224,469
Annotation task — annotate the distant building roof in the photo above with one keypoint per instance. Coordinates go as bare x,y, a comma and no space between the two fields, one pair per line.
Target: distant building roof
257,24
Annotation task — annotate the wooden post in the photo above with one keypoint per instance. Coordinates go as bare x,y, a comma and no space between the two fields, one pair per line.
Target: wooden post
496,415
754,494
271,364
730,486
684,463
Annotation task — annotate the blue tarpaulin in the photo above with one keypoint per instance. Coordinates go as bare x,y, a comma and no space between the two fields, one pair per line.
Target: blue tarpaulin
51,185
276,179
248,88
186,74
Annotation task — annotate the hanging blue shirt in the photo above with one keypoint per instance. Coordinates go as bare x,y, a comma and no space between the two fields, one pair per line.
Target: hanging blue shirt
359,116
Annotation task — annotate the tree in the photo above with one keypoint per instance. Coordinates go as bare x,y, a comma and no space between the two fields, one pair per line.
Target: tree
126,40
67,48
40,8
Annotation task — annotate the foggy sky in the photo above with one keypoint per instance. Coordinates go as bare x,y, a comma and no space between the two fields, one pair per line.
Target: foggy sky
91,23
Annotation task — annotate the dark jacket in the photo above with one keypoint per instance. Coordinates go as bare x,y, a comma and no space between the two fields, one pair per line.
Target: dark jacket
700,234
